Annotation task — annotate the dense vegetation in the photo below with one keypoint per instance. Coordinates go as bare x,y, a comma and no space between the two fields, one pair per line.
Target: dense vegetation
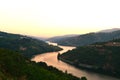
100,57
25,45
87,39
15,51
13,66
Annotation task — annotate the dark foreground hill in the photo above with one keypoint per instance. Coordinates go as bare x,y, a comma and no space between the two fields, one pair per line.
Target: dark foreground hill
89,38
99,57
26,45
13,66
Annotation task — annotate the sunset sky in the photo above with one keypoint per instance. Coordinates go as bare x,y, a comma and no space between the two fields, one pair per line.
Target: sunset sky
47,18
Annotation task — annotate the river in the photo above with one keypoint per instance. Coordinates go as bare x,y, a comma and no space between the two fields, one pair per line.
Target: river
51,59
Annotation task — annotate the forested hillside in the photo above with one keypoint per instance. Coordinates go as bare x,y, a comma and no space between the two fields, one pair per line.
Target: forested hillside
99,57
89,38
13,66
25,45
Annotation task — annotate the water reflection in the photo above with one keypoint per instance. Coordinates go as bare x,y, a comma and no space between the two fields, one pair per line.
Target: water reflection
51,59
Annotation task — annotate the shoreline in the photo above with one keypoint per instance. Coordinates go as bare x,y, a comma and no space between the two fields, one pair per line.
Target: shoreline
90,68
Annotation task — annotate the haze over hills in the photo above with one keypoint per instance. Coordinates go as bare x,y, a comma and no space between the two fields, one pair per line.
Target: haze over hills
57,38
48,18
110,30
89,38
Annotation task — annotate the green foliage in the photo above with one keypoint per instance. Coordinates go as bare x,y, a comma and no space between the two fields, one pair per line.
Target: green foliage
25,45
83,78
13,66
100,57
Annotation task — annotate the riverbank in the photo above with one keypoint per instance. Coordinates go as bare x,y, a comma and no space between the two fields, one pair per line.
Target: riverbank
52,60
89,68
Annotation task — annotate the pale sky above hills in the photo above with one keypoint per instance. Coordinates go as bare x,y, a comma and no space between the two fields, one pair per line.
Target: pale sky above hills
58,17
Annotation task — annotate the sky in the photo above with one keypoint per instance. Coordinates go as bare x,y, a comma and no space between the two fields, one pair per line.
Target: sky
47,18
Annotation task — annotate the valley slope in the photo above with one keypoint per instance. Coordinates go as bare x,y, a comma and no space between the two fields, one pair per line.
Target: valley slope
99,57
89,38
14,66
25,45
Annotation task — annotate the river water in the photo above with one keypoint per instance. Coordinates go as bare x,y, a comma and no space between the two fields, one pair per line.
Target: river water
51,59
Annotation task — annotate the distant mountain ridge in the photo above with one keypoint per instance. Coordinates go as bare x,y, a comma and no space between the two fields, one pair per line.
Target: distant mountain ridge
110,30
88,38
56,38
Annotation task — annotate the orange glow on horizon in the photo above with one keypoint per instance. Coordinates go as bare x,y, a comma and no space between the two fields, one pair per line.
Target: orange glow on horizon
48,18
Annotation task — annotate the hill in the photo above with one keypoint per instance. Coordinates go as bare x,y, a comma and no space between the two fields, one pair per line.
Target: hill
88,38
110,30
99,57
59,38
26,45
13,66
